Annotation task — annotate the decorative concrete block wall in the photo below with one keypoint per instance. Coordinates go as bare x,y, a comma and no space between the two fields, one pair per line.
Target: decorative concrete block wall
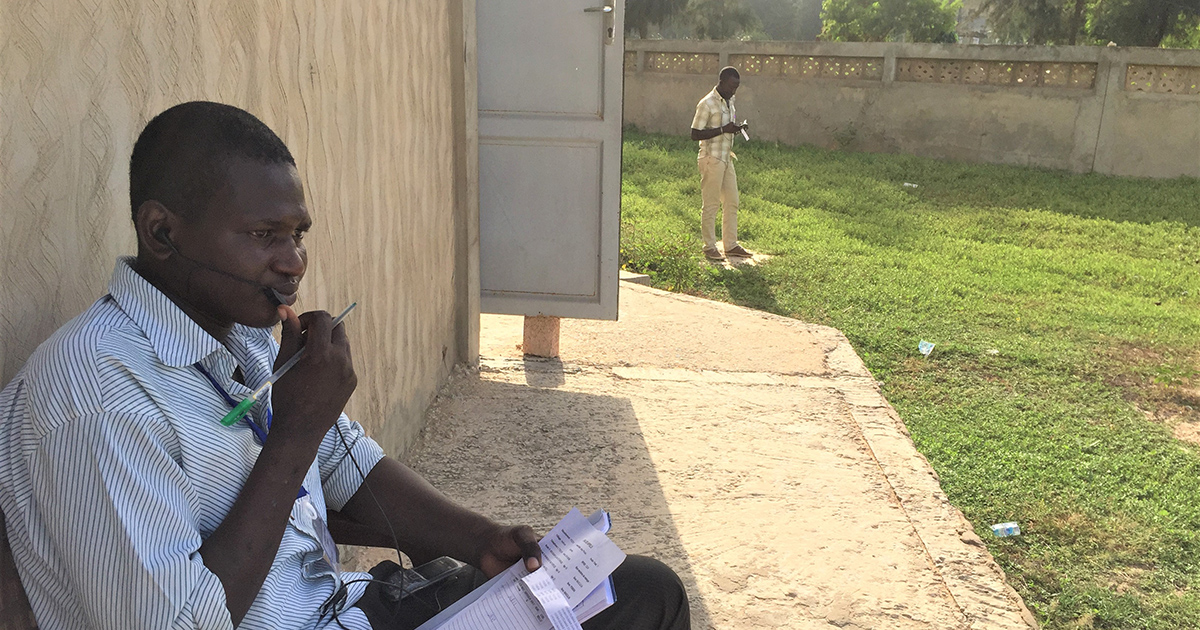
1121,111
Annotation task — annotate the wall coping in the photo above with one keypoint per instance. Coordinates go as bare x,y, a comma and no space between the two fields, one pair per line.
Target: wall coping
981,52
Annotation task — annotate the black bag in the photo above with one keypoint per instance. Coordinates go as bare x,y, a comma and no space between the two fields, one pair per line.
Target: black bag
403,599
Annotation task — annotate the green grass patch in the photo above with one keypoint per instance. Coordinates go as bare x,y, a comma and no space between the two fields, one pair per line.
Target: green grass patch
1066,313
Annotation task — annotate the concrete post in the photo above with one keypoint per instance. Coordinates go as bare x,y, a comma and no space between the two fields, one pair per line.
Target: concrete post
1110,84
541,336
889,65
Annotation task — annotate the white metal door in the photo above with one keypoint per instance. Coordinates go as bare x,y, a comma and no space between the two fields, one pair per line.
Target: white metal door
550,80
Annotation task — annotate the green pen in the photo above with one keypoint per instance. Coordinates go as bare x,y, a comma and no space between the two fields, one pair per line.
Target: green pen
244,406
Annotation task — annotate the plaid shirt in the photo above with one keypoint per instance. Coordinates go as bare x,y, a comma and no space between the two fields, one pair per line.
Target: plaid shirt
711,112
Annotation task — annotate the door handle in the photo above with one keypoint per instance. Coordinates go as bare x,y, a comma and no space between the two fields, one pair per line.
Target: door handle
609,20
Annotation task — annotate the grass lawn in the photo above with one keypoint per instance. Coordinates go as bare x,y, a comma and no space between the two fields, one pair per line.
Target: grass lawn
1066,313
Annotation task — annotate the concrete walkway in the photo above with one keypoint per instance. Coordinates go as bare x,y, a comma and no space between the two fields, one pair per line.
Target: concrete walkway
752,453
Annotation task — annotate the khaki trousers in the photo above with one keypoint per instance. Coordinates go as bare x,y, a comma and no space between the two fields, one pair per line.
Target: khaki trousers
718,188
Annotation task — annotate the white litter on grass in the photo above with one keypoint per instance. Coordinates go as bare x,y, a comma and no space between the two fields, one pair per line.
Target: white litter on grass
925,347
1002,530
909,185
993,352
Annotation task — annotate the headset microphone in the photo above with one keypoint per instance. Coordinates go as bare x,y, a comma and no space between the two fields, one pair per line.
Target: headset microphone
273,295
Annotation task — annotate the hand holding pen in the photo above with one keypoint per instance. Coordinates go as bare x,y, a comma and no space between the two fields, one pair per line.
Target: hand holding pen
307,399
243,407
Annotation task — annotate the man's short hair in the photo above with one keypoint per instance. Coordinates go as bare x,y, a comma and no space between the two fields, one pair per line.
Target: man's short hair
181,159
728,71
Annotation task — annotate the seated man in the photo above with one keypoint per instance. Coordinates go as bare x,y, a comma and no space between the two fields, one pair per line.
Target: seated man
130,505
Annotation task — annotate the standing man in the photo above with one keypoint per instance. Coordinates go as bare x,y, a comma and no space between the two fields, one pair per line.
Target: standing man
713,126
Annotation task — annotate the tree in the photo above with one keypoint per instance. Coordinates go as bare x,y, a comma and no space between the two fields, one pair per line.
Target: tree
1144,22
640,15
720,19
1127,22
890,20
1189,38
789,20
1037,22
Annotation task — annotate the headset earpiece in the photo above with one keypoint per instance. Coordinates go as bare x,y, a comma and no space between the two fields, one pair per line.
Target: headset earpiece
163,238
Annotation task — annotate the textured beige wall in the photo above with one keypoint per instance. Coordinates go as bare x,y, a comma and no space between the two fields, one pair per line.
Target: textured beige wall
1104,127
370,96
361,92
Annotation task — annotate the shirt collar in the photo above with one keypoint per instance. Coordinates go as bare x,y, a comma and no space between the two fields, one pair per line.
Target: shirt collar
717,95
177,339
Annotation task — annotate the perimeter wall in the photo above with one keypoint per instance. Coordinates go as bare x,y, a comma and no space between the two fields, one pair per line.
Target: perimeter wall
1119,111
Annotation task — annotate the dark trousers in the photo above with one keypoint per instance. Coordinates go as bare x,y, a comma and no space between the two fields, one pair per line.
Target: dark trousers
649,597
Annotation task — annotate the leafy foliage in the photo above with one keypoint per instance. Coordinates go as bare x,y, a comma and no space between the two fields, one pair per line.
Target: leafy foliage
701,19
720,19
890,20
641,15
1143,22
1187,38
1037,22
788,20
1126,22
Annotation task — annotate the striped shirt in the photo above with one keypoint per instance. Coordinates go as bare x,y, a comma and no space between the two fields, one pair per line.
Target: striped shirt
114,468
712,112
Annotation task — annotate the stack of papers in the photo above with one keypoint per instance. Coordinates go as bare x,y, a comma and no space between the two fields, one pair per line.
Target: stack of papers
604,595
573,584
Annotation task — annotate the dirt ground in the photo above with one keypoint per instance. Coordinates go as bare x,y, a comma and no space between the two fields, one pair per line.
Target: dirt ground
752,453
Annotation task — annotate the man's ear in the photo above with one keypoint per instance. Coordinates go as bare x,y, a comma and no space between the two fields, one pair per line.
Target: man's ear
154,225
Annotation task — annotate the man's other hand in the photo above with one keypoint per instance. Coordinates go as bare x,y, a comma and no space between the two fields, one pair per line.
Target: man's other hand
505,545
731,127
309,398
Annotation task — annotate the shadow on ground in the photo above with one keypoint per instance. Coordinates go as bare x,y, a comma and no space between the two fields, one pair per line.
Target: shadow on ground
547,453
751,290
